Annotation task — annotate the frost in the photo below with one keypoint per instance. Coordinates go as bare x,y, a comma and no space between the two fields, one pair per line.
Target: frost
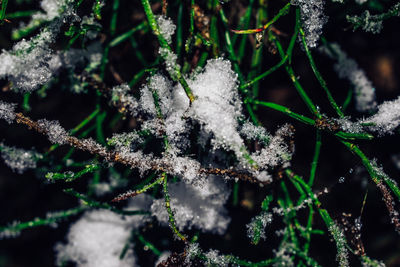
7,111
122,140
170,59
368,262
19,159
253,132
313,19
99,236
283,211
277,152
55,132
120,96
284,255
386,120
346,67
256,228
348,126
338,236
360,2
164,256
32,63
10,231
367,22
215,259
196,206
211,257
167,27
185,167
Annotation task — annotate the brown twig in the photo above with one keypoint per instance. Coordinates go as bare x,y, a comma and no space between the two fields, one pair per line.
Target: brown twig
89,145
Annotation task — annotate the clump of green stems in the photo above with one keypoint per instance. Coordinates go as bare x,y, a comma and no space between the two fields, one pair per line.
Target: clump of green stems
233,42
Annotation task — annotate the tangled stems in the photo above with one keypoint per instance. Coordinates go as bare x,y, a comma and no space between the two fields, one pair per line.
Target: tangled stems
283,11
318,74
296,237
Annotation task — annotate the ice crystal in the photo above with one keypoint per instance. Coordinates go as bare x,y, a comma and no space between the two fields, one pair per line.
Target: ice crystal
32,63
277,152
368,262
120,94
340,239
386,120
7,111
213,258
284,255
313,19
19,159
348,126
170,59
97,239
360,2
256,228
167,27
253,132
10,231
55,132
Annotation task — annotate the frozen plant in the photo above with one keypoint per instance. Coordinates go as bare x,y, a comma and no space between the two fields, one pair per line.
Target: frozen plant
372,23
7,112
19,160
386,119
313,19
167,28
175,132
340,239
256,228
32,63
56,133
347,68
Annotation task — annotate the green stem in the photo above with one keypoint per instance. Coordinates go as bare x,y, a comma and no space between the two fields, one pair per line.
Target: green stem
4,4
71,176
169,210
375,176
121,38
148,245
285,110
283,11
318,75
307,100
113,22
50,219
95,204
314,163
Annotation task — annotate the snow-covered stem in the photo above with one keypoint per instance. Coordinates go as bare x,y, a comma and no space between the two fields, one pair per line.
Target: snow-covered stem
89,145
175,72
